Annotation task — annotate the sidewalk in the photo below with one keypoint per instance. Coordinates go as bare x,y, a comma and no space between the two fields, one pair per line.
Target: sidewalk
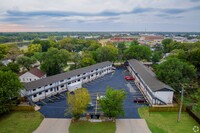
53,125
131,126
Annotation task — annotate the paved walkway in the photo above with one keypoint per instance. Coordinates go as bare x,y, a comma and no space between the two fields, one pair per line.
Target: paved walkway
132,126
51,125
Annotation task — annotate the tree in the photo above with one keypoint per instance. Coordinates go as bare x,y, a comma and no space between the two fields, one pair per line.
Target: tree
112,103
166,43
14,67
138,52
121,47
13,52
26,61
9,88
32,48
87,61
78,102
76,58
54,61
175,72
107,53
156,57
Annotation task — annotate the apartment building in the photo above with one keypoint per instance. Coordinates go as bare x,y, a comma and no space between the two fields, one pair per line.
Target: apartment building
53,85
154,91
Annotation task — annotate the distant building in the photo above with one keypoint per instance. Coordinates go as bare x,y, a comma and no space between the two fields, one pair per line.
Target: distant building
6,62
154,91
32,75
70,81
122,39
151,40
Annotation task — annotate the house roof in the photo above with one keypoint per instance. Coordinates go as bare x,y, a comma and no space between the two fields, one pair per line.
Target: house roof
148,76
62,76
37,72
151,38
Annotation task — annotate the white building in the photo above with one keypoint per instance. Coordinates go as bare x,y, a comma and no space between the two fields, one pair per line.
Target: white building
32,75
154,91
53,85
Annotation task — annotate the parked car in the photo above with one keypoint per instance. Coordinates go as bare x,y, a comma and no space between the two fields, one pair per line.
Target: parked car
139,100
90,105
129,78
113,68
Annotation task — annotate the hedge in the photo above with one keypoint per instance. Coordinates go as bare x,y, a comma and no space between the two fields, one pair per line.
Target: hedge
166,109
23,108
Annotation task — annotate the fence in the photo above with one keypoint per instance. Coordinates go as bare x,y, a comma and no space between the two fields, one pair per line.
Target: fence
194,116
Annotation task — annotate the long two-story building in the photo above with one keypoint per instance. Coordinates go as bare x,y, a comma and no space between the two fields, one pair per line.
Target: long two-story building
154,91
53,85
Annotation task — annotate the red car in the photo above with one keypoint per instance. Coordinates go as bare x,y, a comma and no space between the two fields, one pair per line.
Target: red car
129,78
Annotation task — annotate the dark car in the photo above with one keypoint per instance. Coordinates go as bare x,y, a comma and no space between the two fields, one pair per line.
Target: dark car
139,100
129,78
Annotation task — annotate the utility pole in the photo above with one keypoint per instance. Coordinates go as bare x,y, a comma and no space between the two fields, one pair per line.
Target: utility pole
181,104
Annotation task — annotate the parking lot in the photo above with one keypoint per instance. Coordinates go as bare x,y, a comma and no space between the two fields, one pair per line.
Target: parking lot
115,80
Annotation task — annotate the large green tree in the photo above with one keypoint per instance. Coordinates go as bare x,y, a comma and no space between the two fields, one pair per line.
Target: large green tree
54,61
106,53
32,48
138,52
166,43
175,72
78,102
26,62
112,103
9,88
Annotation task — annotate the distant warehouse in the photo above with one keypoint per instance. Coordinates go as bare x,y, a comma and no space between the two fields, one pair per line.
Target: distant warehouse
46,87
154,91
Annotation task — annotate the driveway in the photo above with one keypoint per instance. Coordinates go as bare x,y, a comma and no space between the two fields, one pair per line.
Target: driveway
131,126
52,125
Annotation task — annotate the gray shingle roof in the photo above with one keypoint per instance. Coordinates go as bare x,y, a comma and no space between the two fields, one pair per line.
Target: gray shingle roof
148,76
62,76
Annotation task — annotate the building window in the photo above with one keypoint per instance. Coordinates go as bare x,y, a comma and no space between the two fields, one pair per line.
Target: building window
40,93
35,95
79,80
30,79
34,89
69,83
78,75
96,69
51,89
84,73
50,84
92,70
69,78
45,86
61,80
92,75
46,90
62,86
84,78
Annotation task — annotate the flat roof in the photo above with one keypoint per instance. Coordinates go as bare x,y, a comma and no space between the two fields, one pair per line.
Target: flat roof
62,76
148,76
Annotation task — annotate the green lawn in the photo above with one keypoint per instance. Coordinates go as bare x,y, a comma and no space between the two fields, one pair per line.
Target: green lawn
92,127
166,122
20,122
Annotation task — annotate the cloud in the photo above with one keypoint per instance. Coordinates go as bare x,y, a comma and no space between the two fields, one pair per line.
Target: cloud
195,0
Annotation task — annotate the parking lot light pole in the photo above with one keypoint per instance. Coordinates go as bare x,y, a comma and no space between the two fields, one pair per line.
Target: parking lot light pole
181,104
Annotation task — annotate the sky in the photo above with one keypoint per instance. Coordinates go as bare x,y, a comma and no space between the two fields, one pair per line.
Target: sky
99,15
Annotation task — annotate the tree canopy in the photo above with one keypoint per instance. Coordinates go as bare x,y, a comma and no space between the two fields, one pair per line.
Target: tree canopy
107,53
138,52
54,61
112,103
78,101
9,88
175,72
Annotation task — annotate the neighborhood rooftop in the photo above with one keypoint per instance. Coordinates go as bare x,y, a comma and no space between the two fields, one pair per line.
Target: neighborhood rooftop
147,76
37,72
62,76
